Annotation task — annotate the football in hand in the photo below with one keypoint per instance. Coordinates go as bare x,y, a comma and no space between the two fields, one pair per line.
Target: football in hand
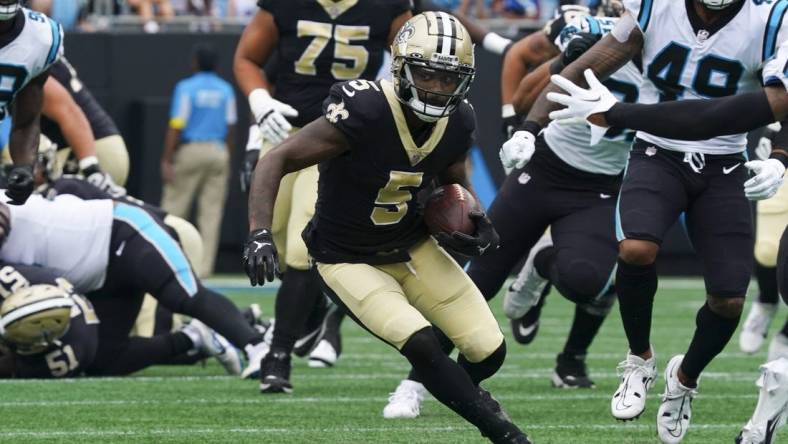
448,208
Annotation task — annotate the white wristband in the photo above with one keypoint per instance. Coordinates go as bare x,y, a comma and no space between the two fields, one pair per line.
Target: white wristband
495,43
507,110
87,162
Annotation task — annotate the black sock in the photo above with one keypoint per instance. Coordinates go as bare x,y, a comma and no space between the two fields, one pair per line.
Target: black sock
767,284
295,300
636,286
544,260
585,326
446,347
138,353
452,386
712,333
219,313
479,371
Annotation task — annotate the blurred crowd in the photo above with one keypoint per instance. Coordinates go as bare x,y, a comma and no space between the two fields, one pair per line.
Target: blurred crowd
72,14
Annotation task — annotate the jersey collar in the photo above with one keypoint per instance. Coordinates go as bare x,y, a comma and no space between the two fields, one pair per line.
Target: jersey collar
698,25
415,153
16,29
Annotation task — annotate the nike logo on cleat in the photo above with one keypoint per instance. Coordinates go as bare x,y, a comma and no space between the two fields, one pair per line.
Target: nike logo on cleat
525,331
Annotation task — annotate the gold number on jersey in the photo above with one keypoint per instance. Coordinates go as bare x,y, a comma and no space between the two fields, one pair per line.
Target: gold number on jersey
352,59
393,195
87,309
60,367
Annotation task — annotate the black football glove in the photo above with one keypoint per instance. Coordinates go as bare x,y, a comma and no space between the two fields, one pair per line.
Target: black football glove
20,184
579,44
510,125
486,238
247,168
261,262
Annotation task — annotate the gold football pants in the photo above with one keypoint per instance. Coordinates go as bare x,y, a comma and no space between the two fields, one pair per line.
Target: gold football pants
395,301
770,224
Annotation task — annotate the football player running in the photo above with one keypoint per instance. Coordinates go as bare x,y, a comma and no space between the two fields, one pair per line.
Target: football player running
32,42
571,187
696,48
318,43
378,144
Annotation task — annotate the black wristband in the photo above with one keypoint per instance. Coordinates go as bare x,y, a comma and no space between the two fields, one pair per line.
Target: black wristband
557,66
530,126
781,156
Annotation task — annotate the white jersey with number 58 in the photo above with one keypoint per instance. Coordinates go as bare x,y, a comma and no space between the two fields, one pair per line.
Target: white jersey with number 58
32,45
684,59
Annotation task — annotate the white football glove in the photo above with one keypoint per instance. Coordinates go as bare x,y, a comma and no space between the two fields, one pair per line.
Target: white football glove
767,180
581,103
104,181
270,114
517,151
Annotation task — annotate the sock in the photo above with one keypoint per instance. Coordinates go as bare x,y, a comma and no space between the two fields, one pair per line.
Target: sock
139,353
446,347
712,333
295,300
636,286
479,371
767,283
584,329
544,260
218,313
452,386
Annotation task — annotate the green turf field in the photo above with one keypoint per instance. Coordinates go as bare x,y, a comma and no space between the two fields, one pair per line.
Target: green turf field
343,405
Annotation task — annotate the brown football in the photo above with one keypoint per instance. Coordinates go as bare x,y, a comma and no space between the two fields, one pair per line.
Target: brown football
447,210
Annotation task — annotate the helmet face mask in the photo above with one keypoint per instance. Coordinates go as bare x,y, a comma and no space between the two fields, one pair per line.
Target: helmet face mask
718,4
433,65
9,9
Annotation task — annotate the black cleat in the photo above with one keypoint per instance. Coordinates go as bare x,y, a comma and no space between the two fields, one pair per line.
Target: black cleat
275,373
571,372
524,329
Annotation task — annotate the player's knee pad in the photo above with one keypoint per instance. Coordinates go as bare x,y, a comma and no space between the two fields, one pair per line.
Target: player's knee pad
480,343
580,280
766,252
600,306
638,252
730,308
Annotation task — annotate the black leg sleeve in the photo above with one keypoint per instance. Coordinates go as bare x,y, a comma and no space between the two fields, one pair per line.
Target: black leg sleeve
137,353
636,286
298,295
479,371
712,333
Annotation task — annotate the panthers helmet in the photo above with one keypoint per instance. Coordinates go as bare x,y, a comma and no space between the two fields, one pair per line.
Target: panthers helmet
610,8
718,4
34,317
432,64
9,8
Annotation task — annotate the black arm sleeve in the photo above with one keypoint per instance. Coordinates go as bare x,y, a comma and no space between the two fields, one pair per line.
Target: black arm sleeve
695,119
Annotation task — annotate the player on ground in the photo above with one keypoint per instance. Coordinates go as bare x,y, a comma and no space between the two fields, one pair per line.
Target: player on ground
112,250
318,43
378,144
32,42
687,51
572,187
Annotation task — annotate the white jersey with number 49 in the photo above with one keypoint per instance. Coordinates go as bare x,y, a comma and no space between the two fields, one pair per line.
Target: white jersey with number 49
684,59
32,45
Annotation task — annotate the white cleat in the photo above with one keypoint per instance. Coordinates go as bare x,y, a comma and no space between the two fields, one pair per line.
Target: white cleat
756,326
323,356
527,288
254,355
772,409
675,412
637,377
778,348
210,343
406,400
230,357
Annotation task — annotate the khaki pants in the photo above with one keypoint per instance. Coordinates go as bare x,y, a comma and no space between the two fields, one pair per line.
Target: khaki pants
201,170
770,224
395,301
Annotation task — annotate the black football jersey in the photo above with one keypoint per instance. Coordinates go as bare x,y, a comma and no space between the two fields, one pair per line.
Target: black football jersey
366,210
322,42
100,122
75,351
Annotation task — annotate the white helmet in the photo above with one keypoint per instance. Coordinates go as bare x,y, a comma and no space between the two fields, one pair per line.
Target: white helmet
718,4
9,8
